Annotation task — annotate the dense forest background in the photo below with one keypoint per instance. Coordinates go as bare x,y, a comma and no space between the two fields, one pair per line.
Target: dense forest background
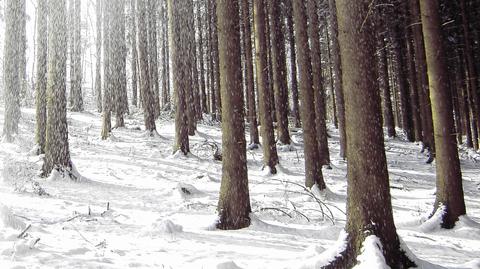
226,87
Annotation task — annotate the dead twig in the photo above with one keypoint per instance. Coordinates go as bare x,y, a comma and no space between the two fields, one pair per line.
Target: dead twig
24,231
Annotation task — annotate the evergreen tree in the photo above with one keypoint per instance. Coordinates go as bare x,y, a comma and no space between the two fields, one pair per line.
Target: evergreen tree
11,75
369,209
270,156
449,193
234,201
57,153
313,167
41,83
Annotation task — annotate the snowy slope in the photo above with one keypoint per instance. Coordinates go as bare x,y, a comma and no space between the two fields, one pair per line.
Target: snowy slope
161,208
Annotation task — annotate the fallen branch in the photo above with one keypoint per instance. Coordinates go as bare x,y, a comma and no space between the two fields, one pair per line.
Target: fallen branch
24,231
276,209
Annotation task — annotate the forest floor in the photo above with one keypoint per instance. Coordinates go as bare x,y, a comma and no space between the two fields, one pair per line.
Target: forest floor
137,205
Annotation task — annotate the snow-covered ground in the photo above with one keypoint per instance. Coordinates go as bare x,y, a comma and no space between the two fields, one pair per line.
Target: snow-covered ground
137,205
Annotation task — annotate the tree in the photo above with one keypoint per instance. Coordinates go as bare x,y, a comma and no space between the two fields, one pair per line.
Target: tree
98,64
200,56
12,76
318,84
146,90
118,69
395,28
57,153
270,156
107,74
151,14
279,71
423,90
234,201
76,58
384,85
41,83
337,78
369,209
133,41
313,167
449,195
293,63
250,83
165,58
22,51
176,15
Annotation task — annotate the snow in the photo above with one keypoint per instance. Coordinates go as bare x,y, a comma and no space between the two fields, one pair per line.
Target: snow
371,256
139,206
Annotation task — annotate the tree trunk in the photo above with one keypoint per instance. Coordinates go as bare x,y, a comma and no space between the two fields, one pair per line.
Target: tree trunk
57,154
384,84
337,78
270,156
449,193
247,39
293,64
369,209
423,90
279,71
400,67
234,201
41,83
203,96
76,80
177,21
107,88
318,83
313,167
98,54
12,78
147,91
133,40
118,61
471,70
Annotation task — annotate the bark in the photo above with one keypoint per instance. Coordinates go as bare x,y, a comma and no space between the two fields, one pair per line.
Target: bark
147,91
313,167
203,96
181,72
57,154
331,80
413,88
250,86
400,67
76,58
234,201
384,85
423,90
152,54
98,62
12,78
318,83
166,60
472,78
293,64
41,78
107,87
188,31
270,156
118,61
215,67
337,78
369,208
449,194
133,40
279,72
